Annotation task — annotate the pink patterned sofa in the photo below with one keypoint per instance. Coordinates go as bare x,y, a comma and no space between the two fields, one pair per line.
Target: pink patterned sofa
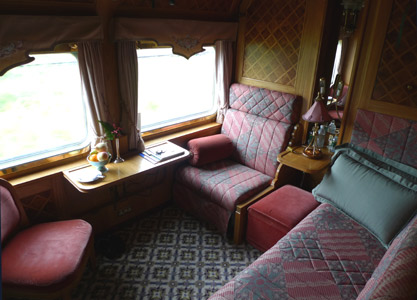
258,125
361,241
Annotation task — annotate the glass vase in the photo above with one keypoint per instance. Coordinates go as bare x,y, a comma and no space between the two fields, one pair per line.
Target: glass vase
118,158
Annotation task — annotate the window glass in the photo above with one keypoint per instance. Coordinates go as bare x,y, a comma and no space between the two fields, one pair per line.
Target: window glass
173,89
337,61
41,110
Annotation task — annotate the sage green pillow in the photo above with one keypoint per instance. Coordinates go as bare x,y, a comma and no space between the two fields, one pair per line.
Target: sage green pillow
376,192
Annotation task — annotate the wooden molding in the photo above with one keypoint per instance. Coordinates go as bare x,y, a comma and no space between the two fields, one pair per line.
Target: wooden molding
310,52
369,57
268,85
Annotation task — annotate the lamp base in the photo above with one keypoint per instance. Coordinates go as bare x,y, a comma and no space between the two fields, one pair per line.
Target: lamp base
312,152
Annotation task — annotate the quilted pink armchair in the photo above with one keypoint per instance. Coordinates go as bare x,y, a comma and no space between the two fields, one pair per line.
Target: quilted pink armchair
44,261
237,167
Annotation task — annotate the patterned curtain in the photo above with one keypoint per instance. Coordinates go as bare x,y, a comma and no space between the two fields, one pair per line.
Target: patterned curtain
128,81
92,77
224,65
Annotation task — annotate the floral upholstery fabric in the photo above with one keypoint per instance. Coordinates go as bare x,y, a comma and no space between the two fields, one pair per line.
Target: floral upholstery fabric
326,256
390,136
396,275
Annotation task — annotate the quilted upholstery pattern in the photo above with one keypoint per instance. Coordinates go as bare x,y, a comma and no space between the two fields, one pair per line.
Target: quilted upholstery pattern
390,136
259,123
265,103
257,141
396,275
200,207
224,182
326,256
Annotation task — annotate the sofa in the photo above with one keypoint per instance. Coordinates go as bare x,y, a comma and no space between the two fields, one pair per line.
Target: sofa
359,243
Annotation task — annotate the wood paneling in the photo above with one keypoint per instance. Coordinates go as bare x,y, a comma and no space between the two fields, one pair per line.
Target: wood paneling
371,69
41,199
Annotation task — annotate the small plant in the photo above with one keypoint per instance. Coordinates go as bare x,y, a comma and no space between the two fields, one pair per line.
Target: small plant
111,131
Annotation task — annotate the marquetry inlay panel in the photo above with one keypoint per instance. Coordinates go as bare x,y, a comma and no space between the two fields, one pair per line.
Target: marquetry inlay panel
396,80
40,207
273,39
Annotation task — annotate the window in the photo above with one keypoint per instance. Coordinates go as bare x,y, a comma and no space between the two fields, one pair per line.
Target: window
41,110
337,62
173,89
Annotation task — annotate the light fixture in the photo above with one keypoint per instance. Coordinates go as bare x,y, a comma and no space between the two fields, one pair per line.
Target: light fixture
172,2
351,9
316,114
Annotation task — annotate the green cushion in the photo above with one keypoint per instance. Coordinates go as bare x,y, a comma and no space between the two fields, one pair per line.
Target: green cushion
377,192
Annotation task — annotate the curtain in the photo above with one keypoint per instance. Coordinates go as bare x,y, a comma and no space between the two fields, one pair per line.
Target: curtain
224,65
92,77
128,81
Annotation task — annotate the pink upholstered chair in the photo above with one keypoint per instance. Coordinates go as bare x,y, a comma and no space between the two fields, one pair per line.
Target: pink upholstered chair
43,261
235,168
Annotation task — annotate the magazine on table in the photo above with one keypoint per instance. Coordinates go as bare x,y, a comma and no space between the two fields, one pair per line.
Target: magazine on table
161,152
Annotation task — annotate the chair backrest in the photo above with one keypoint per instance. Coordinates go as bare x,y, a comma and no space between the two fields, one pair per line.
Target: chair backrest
10,214
260,122
389,136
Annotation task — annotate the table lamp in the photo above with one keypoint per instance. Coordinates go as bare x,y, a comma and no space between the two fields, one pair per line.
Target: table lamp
316,114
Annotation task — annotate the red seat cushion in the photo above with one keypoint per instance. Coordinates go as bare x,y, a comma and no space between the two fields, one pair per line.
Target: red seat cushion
45,255
272,217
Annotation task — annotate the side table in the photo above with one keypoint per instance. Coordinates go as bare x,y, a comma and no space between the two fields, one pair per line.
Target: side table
294,160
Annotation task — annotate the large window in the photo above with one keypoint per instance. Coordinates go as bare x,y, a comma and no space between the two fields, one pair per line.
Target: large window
173,89
41,110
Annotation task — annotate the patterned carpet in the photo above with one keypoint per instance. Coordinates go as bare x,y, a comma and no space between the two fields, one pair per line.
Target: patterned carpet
166,255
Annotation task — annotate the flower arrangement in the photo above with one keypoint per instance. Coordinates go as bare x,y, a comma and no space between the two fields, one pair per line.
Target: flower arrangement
111,131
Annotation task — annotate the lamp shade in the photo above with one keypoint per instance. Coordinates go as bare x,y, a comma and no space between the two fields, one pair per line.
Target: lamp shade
317,113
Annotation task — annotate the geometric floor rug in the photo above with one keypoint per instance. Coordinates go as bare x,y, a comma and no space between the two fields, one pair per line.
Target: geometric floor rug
167,255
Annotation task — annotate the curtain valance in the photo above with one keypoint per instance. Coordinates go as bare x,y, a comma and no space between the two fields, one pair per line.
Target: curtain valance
20,35
186,37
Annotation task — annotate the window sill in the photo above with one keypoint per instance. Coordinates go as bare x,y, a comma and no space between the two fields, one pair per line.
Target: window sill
180,138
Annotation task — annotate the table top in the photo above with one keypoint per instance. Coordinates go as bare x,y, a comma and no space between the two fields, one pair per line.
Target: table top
295,159
133,165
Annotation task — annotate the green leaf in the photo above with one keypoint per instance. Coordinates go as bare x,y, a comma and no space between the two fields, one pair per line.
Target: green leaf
108,128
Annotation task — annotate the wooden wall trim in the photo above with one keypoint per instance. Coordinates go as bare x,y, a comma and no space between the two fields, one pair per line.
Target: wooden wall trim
310,51
269,85
366,73
351,65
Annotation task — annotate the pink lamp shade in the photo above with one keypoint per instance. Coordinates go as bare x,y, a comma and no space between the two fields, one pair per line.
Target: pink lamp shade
317,113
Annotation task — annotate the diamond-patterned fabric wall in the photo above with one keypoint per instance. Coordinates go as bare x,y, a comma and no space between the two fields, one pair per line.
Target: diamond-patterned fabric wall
396,80
273,39
390,136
